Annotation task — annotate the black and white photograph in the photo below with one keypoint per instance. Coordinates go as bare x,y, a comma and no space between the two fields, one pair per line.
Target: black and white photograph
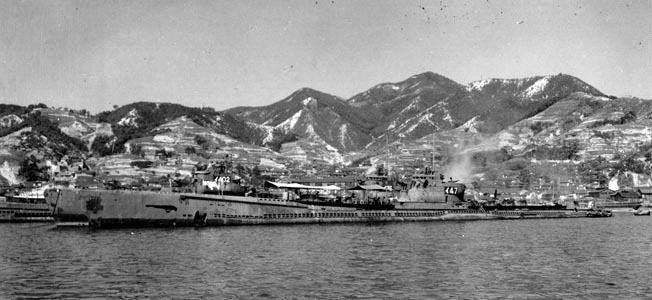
325,149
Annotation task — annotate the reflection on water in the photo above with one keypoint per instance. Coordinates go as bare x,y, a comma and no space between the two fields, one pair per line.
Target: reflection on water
524,259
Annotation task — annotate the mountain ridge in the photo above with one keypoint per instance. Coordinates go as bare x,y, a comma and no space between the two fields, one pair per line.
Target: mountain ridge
311,126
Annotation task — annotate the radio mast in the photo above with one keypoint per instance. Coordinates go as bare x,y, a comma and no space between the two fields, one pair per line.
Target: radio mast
386,155
433,153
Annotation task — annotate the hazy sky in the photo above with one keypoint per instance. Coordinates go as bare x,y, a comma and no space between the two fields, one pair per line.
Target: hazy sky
96,54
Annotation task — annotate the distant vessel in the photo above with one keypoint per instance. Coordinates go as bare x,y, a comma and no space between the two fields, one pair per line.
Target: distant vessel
28,206
625,205
621,200
223,202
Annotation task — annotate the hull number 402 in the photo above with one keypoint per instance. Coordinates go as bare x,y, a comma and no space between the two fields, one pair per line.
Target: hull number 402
223,179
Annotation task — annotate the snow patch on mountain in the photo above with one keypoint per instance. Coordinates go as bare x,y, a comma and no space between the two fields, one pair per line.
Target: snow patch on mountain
130,119
410,124
309,102
424,118
391,125
414,85
310,130
344,134
478,85
471,125
291,122
536,87
269,131
331,148
269,134
481,84
334,156
447,116
412,106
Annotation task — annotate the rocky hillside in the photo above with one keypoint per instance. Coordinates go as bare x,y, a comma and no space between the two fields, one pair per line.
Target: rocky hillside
141,119
315,116
533,117
499,103
413,108
600,126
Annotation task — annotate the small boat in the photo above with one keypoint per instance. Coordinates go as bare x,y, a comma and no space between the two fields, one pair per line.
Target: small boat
26,206
642,213
598,213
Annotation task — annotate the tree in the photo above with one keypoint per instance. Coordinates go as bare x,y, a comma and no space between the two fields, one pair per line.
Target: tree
257,178
202,142
30,170
648,156
503,155
517,164
102,145
190,150
164,154
569,149
630,116
142,164
537,127
240,170
278,141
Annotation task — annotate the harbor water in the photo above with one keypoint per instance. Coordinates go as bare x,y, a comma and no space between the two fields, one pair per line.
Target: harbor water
604,258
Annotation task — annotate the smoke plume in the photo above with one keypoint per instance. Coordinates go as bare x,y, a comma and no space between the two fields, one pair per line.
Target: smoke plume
461,167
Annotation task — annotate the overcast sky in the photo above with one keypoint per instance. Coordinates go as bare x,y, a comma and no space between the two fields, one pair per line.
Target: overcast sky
222,54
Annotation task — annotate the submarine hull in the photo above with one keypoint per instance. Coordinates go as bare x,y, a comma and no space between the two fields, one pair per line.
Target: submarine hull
121,208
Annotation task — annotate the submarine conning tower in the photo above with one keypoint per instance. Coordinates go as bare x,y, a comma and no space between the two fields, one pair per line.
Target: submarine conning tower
454,192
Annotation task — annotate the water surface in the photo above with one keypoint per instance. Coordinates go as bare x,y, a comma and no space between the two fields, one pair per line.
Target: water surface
517,259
